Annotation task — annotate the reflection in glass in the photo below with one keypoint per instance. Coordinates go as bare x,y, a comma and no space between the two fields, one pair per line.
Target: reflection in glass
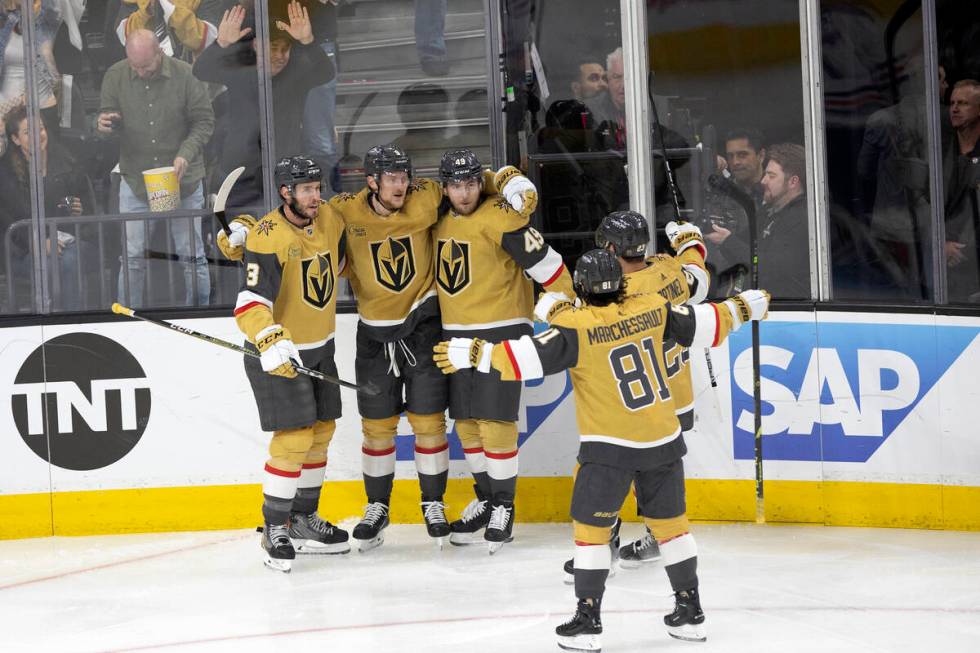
729,91
877,164
958,26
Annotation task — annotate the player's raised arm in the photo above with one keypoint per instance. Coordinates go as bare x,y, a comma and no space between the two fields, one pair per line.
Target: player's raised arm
707,325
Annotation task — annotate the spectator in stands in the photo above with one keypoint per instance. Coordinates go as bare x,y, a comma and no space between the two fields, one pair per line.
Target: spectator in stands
588,80
162,116
609,106
961,171
297,64
179,29
745,158
430,41
319,127
67,192
784,243
47,18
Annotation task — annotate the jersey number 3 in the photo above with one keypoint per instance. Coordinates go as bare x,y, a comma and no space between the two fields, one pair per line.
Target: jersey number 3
634,383
252,275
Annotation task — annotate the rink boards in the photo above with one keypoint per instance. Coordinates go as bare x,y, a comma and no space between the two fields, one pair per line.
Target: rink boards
868,419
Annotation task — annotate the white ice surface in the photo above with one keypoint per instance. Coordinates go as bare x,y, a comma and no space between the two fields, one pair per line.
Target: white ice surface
784,589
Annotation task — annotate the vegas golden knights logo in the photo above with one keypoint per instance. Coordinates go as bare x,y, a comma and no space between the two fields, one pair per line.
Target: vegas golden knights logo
452,265
318,280
394,262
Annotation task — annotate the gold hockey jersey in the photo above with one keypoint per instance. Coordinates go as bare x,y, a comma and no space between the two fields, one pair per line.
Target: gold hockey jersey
390,259
672,277
291,277
484,266
623,402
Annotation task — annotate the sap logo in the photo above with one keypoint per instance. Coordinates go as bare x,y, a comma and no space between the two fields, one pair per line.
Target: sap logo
836,392
69,397
825,376
81,401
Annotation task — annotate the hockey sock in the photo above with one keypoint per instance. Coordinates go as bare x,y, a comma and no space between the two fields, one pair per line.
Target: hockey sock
278,490
468,431
680,556
500,447
431,453
591,569
378,457
308,489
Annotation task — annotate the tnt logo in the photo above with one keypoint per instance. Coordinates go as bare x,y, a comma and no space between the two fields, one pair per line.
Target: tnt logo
836,392
81,401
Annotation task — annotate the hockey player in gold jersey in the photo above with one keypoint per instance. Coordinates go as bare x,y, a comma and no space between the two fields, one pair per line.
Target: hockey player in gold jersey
392,273
680,279
287,310
629,431
486,256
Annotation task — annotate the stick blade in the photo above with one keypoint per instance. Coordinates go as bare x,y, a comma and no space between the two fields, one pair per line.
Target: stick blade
225,190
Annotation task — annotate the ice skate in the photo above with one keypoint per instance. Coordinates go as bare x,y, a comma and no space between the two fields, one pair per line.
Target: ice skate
369,532
279,552
581,632
687,620
434,514
312,535
500,526
641,551
467,529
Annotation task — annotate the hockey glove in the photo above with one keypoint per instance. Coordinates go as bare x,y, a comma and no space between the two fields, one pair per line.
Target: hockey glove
462,353
748,305
550,304
277,353
683,236
517,189
233,246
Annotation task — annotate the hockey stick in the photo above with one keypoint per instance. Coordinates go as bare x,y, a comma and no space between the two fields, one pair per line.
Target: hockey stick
675,200
728,187
222,197
368,388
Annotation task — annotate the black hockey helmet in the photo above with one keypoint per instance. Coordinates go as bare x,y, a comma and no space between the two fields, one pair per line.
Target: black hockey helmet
299,169
597,272
626,231
457,165
386,158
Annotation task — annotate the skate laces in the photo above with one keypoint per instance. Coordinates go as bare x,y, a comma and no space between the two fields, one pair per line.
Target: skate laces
318,524
473,510
499,517
434,512
374,512
645,542
278,535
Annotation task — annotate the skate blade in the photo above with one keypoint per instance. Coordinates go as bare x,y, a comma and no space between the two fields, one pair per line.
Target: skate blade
580,643
493,547
636,564
312,547
688,632
440,542
366,545
277,564
465,539
569,579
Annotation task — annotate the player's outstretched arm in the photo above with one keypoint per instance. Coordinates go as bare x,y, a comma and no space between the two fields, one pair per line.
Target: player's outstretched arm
707,325
517,360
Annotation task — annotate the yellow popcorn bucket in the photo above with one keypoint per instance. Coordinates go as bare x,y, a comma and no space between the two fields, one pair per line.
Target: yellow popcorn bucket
162,188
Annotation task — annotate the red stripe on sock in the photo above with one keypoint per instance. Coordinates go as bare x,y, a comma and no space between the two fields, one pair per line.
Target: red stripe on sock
378,452
314,465
501,456
477,450
431,450
581,543
279,472
513,361
671,539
